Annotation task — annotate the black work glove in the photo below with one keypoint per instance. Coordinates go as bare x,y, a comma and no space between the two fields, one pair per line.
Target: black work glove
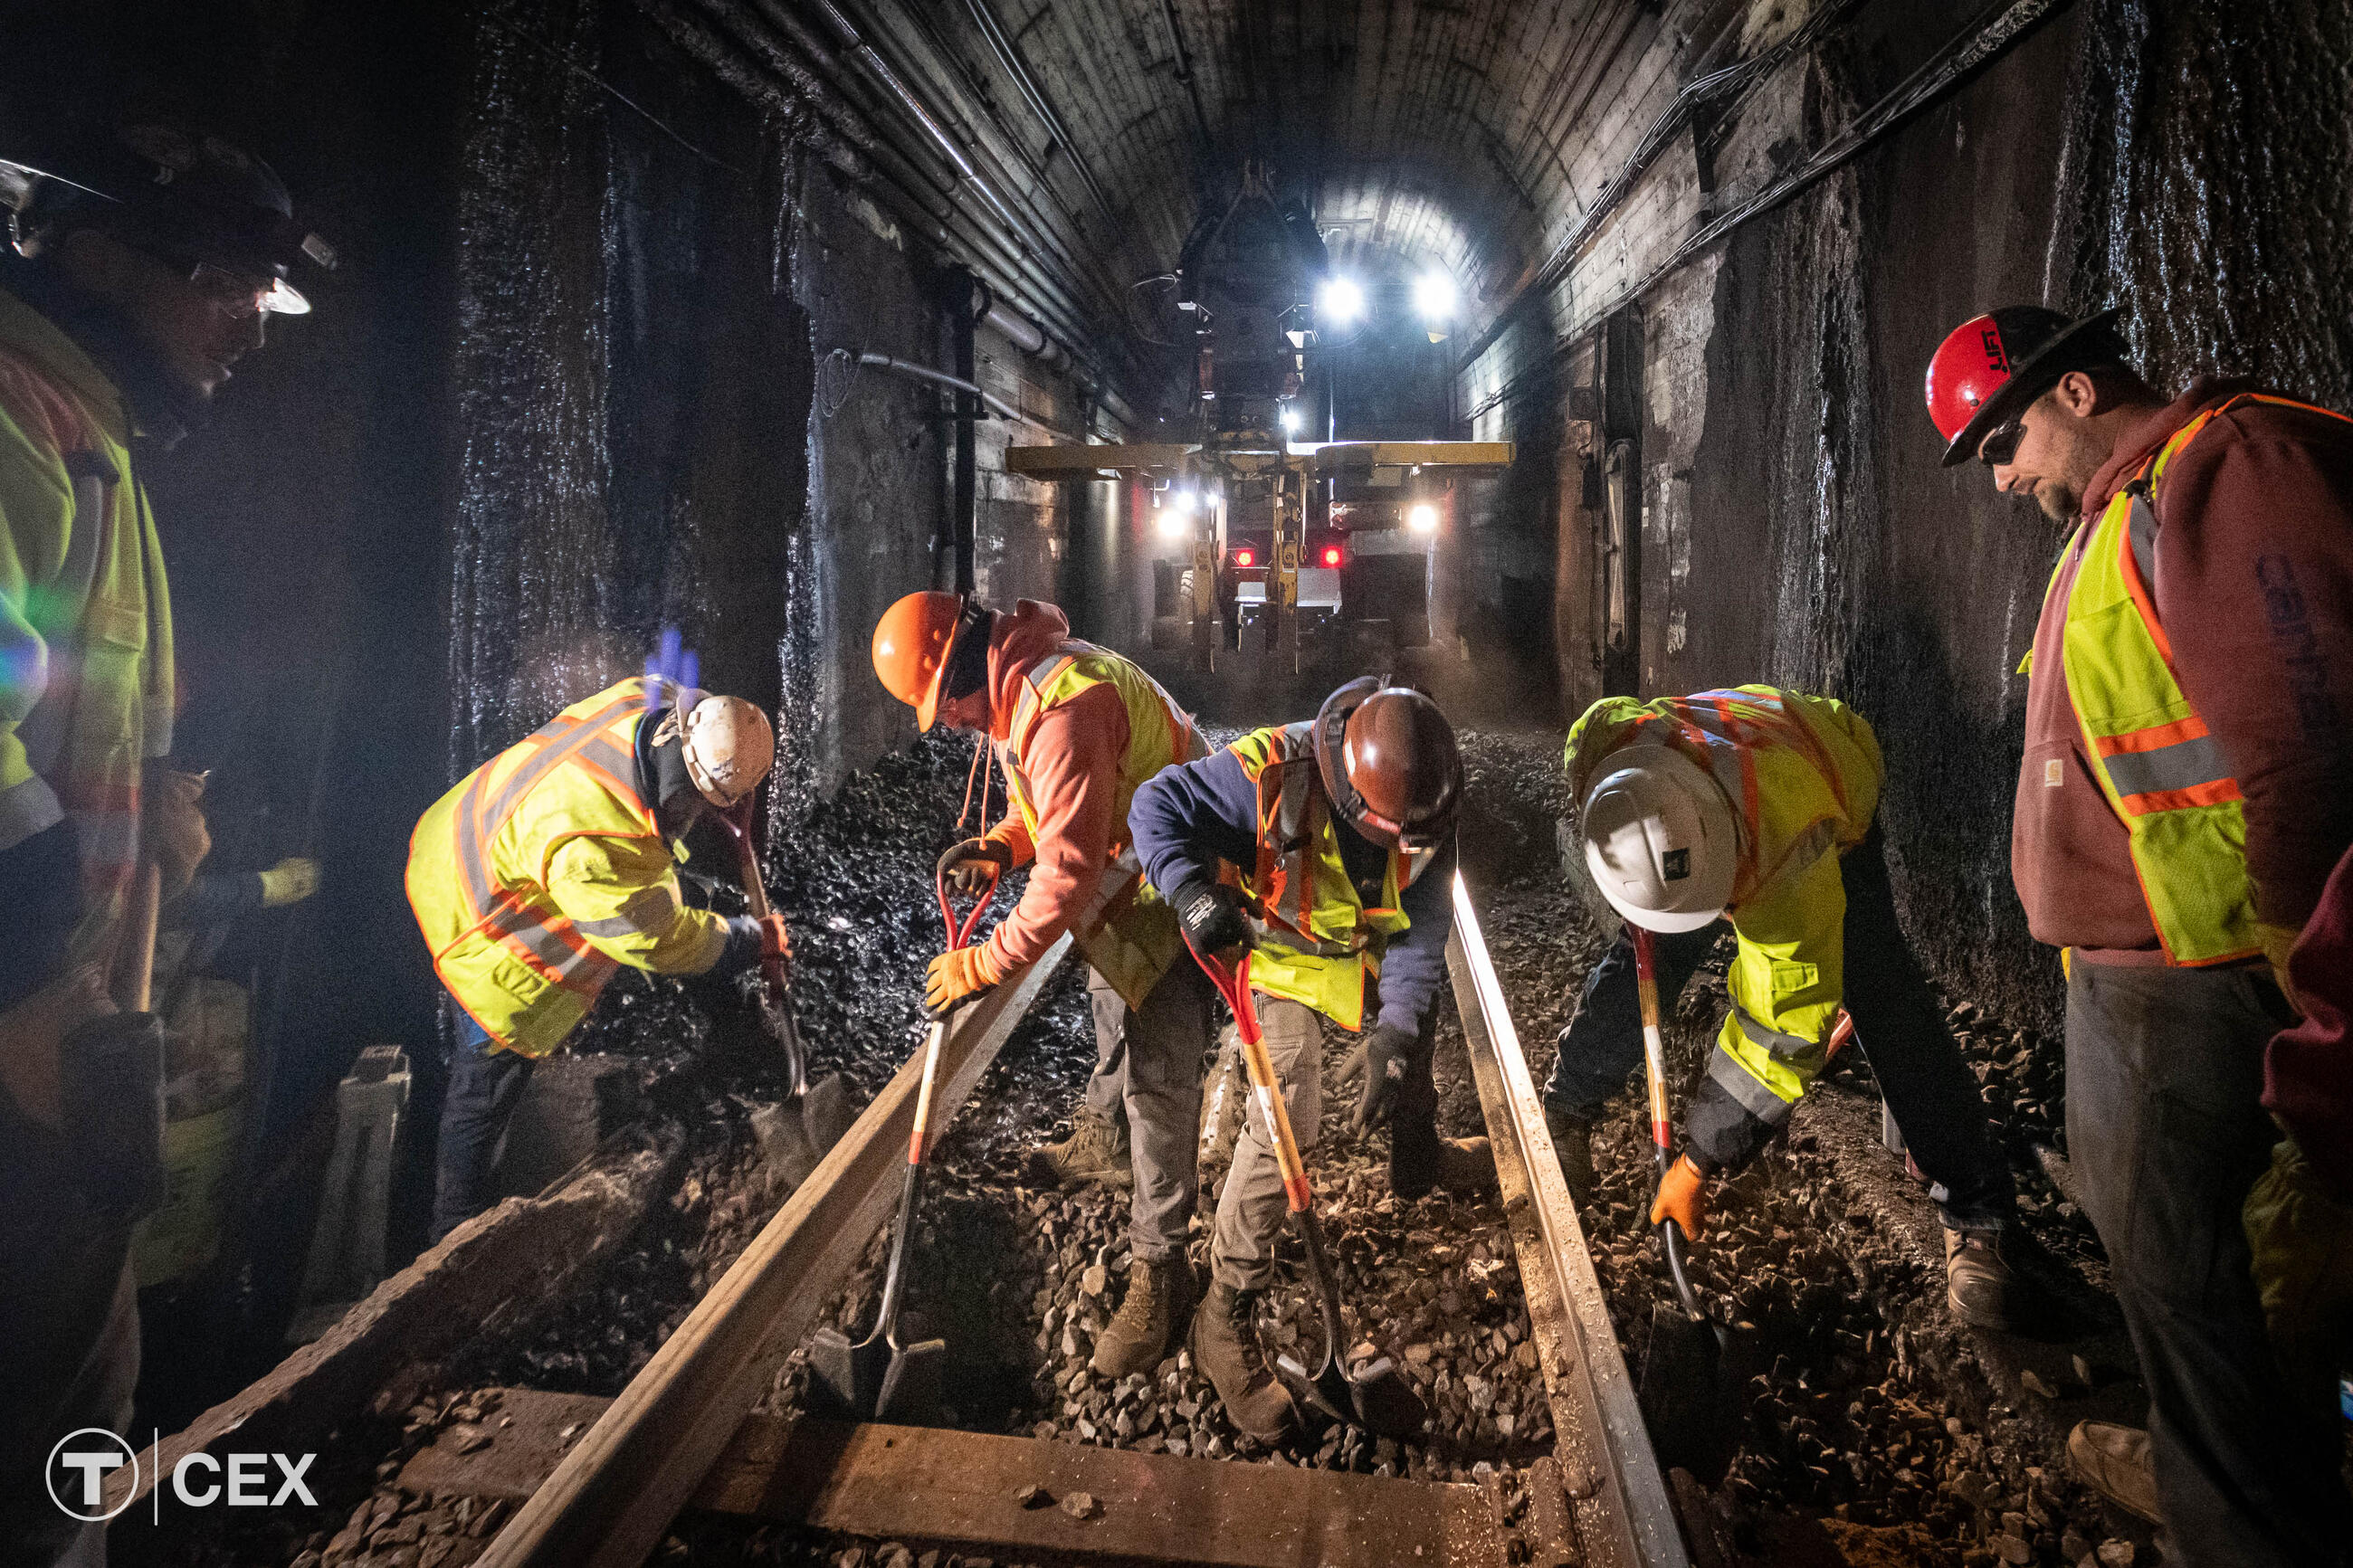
1211,914
1385,1052
965,865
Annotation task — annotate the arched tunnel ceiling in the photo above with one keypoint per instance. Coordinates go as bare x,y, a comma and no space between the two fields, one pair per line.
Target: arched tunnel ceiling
1462,135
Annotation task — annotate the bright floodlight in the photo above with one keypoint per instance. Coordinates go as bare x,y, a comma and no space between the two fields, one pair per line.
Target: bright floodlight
1175,523
1339,302
1433,296
1422,518
1182,500
1291,421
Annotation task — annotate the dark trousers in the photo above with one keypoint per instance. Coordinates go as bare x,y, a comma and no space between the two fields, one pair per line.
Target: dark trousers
1898,1025
2167,1133
485,1086
40,905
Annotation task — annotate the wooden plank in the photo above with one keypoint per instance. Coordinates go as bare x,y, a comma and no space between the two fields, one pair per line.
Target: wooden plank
608,1503
964,1487
1624,1513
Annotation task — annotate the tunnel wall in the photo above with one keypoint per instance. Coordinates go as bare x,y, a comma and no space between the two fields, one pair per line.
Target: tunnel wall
2181,160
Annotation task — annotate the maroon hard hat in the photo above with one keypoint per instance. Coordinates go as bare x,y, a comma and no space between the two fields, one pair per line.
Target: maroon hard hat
1389,762
1991,367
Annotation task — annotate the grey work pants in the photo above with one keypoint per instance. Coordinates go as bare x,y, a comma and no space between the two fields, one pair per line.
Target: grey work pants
2165,1130
1148,1066
1251,1205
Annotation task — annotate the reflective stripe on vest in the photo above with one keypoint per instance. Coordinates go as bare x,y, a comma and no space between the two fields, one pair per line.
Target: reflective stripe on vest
1317,943
2162,769
1129,935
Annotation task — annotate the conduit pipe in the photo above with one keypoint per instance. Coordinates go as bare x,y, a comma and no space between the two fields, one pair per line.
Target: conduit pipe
984,16
957,383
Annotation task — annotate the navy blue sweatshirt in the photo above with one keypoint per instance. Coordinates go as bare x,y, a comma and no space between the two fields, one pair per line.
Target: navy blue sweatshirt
1187,818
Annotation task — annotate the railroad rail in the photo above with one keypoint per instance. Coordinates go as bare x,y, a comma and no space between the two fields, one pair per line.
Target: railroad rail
683,1436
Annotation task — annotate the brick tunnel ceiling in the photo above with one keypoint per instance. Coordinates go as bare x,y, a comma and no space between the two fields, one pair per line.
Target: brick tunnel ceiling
1461,135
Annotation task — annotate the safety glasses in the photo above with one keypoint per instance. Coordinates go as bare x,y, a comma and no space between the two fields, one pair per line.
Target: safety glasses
240,296
2000,444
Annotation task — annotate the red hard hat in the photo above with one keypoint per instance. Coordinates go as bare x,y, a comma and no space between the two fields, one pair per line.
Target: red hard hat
1991,367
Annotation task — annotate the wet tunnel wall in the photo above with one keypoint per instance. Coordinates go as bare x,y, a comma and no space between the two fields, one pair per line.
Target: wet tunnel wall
2183,162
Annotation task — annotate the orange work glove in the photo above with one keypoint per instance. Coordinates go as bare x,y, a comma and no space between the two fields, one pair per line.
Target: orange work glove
1683,1197
776,941
174,826
959,972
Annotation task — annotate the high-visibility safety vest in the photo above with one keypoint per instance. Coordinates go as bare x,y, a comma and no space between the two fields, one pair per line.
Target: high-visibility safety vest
1804,774
1126,929
87,691
1315,939
2162,771
543,870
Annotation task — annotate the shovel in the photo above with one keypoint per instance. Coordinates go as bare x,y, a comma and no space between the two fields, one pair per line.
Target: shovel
1687,1385
1377,1397
823,1107
881,1377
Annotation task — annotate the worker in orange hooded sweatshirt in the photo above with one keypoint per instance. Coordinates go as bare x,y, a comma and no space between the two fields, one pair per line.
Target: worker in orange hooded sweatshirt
1077,729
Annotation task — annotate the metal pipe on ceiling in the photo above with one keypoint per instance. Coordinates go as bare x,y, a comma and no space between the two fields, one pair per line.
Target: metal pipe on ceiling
984,16
957,383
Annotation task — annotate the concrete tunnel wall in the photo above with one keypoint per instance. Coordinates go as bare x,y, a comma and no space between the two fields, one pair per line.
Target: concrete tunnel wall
2183,162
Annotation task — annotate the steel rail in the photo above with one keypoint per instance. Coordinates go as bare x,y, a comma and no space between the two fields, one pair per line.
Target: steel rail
610,1501
1624,1513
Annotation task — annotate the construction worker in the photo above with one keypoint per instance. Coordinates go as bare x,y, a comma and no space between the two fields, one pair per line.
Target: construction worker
1078,728
1327,848
2186,789
119,317
1756,805
549,867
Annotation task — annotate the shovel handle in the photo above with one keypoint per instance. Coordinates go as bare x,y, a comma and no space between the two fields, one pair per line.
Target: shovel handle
1233,984
1654,1049
773,973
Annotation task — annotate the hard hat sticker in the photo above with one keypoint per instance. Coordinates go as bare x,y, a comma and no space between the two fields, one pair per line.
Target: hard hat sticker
1675,865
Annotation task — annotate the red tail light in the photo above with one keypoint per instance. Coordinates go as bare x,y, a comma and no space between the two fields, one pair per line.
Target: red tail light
1245,557
1330,556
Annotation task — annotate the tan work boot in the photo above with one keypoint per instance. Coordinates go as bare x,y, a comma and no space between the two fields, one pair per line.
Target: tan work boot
1225,1346
1094,1151
2113,1461
1160,1296
1572,1139
1980,1284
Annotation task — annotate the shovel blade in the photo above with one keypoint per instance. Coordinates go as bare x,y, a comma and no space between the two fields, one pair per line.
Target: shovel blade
1386,1404
910,1389
1688,1397
845,1377
826,1112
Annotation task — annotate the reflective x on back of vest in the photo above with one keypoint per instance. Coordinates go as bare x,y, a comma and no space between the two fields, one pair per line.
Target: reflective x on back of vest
2162,769
1129,935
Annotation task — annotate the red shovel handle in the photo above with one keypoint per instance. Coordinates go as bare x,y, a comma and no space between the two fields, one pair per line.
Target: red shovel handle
1233,984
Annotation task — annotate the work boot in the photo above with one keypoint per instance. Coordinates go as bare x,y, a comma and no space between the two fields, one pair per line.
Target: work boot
1096,1151
1159,1295
1460,1165
1572,1139
1980,1287
1225,1347
2113,1461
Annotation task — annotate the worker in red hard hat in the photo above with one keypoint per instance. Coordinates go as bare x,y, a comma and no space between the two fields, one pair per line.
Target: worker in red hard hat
545,870
2186,789
1079,729
1326,848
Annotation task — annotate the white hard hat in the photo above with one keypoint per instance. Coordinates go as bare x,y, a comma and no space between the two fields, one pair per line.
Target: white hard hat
1660,839
729,747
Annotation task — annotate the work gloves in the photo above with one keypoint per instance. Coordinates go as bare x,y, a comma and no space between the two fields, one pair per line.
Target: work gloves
1683,1197
2300,1231
1211,914
174,827
289,881
966,864
958,972
1385,1048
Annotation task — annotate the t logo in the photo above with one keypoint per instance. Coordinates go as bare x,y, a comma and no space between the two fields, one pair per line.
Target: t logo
1674,865
78,1466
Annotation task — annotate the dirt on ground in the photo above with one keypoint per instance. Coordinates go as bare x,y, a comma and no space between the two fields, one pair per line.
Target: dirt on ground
1869,1427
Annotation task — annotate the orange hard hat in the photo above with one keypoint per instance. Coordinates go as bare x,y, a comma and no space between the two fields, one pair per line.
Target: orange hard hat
912,642
1389,762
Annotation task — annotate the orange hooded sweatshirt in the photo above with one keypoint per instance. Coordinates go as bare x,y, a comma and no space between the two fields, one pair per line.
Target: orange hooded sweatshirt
1071,764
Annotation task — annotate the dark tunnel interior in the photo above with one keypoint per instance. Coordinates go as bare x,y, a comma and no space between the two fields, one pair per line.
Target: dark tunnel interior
628,290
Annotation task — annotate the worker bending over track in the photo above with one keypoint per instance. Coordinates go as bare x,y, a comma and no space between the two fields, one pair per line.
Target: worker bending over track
1078,728
1328,848
1755,805
550,866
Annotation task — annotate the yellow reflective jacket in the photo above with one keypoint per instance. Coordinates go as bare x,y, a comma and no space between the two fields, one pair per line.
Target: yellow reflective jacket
86,674
543,870
1803,774
1315,942
1129,934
